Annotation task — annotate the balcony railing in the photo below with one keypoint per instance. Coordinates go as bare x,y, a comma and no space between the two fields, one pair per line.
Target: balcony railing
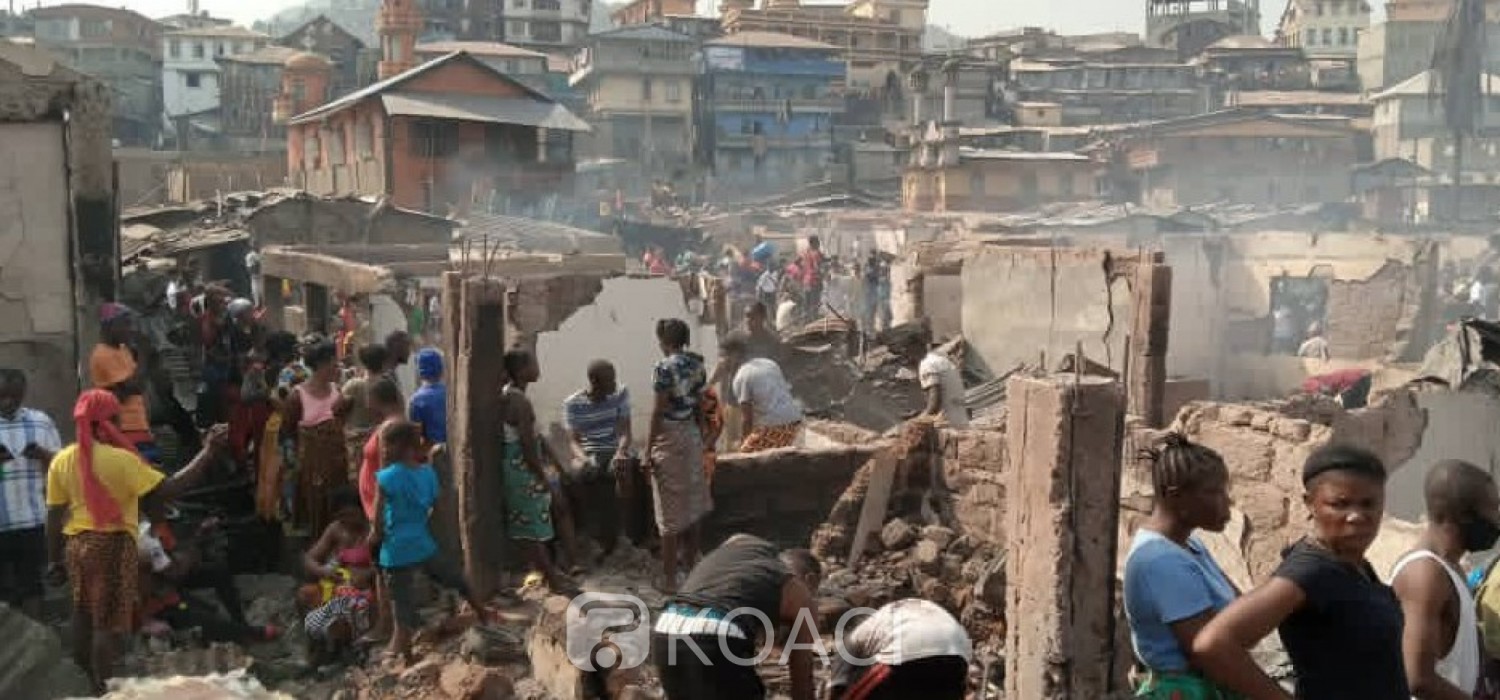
772,105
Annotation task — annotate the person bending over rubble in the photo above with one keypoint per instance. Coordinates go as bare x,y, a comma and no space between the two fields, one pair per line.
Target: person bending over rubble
408,491
911,649
771,416
674,457
1341,626
722,610
1441,637
943,385
170,571
1173,587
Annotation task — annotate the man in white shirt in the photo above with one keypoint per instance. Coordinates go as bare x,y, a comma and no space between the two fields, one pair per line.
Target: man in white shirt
944,387
908,649
772,416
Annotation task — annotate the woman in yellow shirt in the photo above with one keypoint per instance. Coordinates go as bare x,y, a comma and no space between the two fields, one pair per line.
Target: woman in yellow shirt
94,492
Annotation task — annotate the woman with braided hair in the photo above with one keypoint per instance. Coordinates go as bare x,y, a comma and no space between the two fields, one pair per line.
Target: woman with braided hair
1173,587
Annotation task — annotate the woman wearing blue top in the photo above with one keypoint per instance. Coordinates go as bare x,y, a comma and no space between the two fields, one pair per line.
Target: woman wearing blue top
1172,586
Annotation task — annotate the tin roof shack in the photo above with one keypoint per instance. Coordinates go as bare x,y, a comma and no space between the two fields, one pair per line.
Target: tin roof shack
444,136
1234,156
1409,124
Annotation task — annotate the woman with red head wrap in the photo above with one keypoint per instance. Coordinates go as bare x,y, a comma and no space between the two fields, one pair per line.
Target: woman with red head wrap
94,491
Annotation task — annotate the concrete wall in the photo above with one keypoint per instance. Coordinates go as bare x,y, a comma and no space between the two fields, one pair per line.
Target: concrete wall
1458,426
943,297
620,325
751,492
1018,304
37,335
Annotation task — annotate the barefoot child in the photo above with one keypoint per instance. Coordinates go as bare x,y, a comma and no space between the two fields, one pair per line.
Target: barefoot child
408,488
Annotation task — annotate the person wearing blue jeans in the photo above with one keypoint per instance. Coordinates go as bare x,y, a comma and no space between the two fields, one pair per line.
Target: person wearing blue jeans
408,489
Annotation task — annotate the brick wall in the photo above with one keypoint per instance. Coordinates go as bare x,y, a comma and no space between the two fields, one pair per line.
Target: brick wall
1363,314
974,465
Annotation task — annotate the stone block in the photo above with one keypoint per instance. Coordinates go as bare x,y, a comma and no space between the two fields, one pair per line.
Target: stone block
1292,429
939,535
897,534
547,649
928,558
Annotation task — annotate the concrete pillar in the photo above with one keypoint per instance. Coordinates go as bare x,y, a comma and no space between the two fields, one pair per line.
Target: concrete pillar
1151,293
1063,497
474,426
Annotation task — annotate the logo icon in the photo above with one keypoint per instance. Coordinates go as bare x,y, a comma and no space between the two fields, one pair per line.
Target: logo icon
607,631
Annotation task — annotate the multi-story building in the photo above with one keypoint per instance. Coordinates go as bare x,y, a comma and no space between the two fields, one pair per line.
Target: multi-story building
1409,124
117,46
249,85
1324,28
876,37
1099,90
16,25
352,67
1243,156
444,137
1402,46
638,82
547,25
651,11
514,61
190,68
765,109
1189,26
1251,62
978,94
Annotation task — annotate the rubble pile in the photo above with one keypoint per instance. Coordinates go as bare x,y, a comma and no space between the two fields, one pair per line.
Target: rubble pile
916,548
836,379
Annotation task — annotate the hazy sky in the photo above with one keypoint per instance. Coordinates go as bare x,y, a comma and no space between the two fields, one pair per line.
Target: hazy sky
964,17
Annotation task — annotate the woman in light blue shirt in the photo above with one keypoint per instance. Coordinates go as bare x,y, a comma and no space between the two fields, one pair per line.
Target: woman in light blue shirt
1172,586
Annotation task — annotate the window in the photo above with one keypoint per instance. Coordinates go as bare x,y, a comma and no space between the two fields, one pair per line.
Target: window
1343,36
546,31
1327,36
646,89
519,4
1320,9
434,138
1312,37
94,28
198,49
674,91
335,140
174,48
219,47
547,5
194,80
312,153
515,29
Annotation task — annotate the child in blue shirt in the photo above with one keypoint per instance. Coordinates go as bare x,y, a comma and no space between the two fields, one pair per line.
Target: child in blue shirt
408,488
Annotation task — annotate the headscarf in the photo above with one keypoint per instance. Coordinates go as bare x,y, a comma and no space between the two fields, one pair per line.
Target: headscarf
110,311
93,413
429,364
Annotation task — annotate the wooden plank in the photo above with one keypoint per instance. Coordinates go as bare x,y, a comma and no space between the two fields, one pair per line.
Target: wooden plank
877,500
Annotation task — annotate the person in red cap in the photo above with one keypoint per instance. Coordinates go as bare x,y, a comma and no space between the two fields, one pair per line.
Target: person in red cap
94,491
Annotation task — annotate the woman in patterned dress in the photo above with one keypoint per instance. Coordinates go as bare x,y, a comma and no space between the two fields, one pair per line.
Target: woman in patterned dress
675,450
529,492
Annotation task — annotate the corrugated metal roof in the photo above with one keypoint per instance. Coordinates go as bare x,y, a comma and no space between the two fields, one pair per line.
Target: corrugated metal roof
478,48
383,86
1423,84
536,235
267,56
649,32
483,108
227,31
768,40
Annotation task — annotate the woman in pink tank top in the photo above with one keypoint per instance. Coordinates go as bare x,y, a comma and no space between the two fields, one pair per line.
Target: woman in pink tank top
313,425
